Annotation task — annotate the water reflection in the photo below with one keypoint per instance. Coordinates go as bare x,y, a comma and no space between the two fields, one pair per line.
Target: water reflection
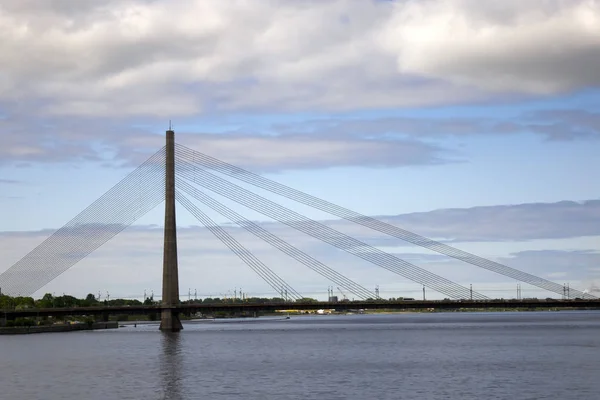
171,364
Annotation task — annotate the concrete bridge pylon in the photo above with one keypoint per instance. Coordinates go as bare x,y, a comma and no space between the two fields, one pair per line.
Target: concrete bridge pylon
169,320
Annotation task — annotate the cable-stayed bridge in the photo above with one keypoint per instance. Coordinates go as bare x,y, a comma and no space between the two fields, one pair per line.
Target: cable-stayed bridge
177,173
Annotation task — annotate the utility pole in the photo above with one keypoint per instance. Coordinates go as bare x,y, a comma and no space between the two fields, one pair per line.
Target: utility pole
377,292
471,290
424,293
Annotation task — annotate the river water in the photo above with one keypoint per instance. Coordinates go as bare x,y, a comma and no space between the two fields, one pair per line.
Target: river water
546,355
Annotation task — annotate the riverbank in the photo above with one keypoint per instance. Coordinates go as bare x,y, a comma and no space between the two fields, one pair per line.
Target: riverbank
25,330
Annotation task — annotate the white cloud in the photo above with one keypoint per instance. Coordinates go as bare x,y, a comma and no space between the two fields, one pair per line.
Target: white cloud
185,57
513,45
68,65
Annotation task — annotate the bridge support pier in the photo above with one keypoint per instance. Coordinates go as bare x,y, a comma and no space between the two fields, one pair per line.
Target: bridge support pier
169,320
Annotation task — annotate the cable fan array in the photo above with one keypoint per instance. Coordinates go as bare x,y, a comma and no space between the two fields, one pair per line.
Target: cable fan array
198,160
122,205
196,173
319,231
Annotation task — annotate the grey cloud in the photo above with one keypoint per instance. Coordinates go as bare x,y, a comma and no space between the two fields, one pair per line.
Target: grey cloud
54,140
565,219
138,251
507,223
4,181
312,144
32,140
262,153
523,222
140,246
117,58
76,74
552,124
499,47
564,124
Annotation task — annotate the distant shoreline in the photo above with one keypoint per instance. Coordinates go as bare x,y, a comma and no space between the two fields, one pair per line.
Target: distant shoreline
28,330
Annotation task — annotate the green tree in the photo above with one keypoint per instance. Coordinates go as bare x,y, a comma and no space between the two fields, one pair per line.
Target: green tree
306,300
47,301
89,301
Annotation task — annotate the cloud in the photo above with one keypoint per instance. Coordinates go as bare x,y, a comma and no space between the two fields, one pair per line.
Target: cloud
108,143
78,77
505,223
4,181
132,260
557,264
552,124
533,47
575,266
181,58
263,153
564,124
306,144
565,219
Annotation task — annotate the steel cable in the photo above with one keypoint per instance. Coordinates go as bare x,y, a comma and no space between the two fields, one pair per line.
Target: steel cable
78,232
369,222
243,253
116,209
275,241
322,232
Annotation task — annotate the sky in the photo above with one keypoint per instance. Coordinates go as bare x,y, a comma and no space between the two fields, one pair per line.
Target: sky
471,122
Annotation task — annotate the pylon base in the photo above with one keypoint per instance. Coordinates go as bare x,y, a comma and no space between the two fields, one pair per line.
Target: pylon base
169,321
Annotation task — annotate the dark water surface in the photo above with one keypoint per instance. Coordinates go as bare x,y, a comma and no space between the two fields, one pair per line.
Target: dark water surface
551,355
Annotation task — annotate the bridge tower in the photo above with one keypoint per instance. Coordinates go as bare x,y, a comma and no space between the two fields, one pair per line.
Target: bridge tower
169,320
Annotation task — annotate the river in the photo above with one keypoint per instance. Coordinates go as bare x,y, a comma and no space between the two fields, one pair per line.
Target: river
529,355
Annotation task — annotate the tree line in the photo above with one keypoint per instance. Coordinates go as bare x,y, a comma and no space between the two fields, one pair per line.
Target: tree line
67,301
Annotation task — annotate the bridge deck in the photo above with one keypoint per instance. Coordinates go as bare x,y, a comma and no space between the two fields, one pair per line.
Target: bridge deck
270,307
